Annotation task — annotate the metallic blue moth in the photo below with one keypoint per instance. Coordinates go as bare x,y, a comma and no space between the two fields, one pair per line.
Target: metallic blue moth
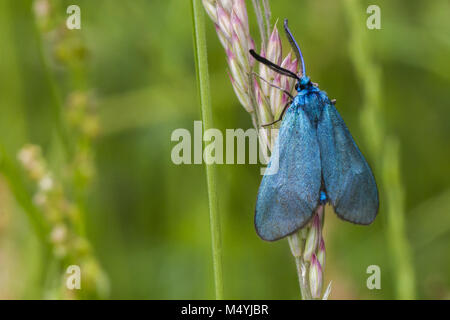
318,162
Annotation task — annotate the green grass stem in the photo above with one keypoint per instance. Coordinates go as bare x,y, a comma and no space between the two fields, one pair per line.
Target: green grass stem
201,63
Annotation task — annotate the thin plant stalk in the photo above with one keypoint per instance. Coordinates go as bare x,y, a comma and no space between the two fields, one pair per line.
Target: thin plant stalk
261,23
201,63
56,101
304,290
385,150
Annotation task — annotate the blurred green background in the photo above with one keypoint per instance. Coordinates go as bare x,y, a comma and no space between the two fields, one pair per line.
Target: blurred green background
146,219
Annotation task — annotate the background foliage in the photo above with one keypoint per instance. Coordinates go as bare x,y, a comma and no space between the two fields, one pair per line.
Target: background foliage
146,219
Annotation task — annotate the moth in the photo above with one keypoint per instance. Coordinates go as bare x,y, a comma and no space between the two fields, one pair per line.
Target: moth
318,162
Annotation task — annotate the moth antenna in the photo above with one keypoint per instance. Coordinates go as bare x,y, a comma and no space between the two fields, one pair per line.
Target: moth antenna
273,66
294,46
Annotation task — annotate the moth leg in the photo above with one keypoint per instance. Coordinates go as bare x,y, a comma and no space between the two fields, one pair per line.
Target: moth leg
281,115
274,86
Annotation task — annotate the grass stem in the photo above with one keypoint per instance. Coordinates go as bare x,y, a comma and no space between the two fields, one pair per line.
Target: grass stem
201,62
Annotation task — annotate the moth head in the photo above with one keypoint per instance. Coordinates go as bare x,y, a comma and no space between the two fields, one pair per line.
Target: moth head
303,83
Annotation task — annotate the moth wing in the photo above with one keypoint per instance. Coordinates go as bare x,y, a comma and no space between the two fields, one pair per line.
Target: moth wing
349,182
289,190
